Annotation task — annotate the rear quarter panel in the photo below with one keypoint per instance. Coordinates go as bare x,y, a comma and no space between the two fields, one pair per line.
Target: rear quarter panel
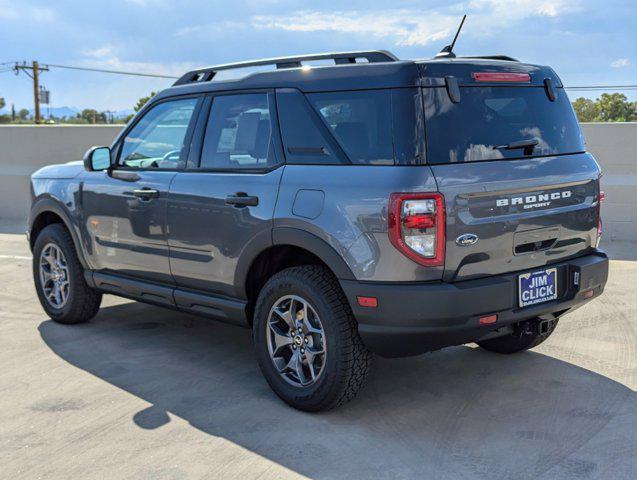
353,216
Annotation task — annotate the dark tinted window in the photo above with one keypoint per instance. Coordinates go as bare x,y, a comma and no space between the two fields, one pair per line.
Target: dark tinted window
239,133
157,140
490,117
305,136
361,122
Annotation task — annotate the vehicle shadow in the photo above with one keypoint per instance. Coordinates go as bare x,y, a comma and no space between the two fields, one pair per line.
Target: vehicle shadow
461,412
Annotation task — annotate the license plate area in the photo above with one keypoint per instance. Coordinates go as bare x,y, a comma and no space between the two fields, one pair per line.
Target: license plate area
537,287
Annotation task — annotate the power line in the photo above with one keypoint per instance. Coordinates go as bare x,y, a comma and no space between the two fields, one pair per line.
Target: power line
118,72
158,75
16,66
604,87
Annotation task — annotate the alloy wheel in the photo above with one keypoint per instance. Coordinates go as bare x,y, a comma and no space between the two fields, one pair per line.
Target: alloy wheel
54,275
296,341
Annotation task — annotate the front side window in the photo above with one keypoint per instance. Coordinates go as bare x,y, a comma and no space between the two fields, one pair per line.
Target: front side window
157,140
239,133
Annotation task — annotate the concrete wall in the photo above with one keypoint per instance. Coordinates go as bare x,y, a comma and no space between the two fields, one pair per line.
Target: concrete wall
24,149
615,147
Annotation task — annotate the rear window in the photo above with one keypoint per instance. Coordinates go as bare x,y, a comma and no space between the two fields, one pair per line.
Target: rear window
489,118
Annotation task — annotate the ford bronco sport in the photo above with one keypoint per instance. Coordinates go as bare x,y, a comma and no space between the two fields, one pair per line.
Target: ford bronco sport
369,205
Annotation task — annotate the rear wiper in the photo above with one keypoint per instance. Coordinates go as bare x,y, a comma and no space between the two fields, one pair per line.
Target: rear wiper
528,145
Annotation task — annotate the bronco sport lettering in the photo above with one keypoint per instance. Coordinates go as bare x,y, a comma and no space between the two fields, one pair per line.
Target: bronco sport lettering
533,201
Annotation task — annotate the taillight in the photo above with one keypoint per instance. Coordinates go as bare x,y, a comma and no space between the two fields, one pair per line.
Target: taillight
501,77
599,217
417,226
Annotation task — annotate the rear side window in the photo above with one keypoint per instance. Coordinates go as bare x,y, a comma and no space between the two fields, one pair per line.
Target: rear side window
239,133
360,122
488,119
367,127
306,138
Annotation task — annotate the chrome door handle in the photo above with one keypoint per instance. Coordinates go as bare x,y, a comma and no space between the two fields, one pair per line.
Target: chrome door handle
146,193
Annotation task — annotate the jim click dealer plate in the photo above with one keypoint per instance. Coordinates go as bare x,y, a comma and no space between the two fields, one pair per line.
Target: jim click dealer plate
537,287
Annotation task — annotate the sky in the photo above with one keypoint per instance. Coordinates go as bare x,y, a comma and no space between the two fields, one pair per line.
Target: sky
586,41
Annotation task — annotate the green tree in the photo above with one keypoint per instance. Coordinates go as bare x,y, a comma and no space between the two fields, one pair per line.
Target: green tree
614,107
92,116
585,109
142,101
23,114
4,118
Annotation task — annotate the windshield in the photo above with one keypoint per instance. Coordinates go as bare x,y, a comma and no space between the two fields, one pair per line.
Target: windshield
491,123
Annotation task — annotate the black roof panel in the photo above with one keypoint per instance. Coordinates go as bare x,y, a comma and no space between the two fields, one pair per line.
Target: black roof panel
360,76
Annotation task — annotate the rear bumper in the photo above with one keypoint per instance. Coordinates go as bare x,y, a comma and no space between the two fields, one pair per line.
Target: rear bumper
415,318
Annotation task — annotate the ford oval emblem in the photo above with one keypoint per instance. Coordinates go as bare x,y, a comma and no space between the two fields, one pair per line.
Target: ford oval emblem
467,239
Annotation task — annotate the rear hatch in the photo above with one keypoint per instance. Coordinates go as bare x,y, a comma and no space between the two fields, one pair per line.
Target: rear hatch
508,156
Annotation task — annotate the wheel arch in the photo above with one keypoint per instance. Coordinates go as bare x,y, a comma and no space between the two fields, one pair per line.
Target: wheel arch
289,247
47,212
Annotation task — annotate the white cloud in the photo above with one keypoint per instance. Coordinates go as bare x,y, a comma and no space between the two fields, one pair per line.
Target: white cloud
416,27
620,63
100,52
42,14
408,27
144,3
7,12
106,57
519,9
10,11
211,28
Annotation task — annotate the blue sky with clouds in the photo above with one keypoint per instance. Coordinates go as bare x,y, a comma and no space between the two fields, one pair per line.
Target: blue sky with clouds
586,41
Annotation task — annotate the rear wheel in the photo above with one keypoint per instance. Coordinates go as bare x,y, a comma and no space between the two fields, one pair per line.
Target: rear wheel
307,341
525,336
59,278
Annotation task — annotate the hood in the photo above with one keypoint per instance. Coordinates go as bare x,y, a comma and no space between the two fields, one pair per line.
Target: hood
64,170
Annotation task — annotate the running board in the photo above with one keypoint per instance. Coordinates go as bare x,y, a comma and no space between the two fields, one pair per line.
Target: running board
225,309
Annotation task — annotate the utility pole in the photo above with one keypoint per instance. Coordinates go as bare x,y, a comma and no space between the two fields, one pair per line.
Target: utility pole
35,75
36,92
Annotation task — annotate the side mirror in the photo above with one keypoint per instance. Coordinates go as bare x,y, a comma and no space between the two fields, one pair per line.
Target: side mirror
97,159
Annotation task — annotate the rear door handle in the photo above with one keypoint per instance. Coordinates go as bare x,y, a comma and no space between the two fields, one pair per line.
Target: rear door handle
242,199
146,193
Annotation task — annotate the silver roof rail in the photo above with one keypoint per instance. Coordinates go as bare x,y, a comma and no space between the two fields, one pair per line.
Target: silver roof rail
207,73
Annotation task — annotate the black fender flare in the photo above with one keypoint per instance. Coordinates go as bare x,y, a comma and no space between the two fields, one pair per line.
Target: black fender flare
45,205
294,237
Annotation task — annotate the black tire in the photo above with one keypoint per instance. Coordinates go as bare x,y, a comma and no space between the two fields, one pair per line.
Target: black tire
347,361
526,335
83,302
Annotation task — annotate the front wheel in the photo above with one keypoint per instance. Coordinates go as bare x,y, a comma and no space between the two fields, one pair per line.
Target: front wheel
525,336
306,340
59,278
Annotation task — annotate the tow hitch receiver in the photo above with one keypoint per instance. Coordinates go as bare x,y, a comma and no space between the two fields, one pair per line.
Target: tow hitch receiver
543,327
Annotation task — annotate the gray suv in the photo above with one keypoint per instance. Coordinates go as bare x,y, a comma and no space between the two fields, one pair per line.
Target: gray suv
366,204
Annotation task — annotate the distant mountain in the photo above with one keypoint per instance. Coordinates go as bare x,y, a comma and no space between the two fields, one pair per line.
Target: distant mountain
123,113
60,112
68,112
